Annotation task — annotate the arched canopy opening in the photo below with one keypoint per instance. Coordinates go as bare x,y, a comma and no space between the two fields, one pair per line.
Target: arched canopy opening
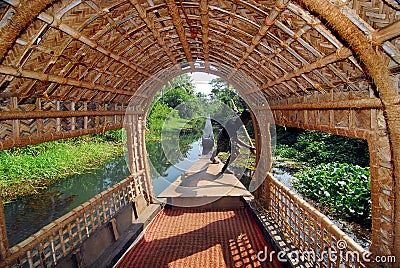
71,67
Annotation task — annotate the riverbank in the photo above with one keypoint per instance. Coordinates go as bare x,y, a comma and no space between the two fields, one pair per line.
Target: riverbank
32,169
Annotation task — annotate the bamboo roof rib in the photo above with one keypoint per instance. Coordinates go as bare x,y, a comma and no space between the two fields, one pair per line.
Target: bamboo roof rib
70,68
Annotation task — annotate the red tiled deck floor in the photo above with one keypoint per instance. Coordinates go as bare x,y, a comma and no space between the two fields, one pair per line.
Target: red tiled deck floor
199,238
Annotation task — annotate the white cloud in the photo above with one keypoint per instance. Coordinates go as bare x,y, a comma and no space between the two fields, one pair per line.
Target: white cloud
202,82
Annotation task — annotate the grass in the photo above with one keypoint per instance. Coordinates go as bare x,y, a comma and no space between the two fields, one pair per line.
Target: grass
29,170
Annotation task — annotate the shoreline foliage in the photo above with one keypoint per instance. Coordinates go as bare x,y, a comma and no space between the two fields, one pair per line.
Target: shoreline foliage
31,169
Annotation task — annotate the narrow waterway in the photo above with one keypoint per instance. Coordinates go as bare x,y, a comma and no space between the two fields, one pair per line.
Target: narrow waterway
28,215
164,171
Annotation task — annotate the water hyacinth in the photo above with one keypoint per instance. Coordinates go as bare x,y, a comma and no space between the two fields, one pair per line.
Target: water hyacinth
343,188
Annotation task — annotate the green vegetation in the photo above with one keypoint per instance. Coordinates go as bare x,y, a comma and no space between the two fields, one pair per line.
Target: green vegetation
315,147
176,101
28,170
225,93
336,173
158,115
343,189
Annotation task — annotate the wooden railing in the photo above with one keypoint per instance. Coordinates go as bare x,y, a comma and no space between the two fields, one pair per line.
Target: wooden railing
319,241
59,238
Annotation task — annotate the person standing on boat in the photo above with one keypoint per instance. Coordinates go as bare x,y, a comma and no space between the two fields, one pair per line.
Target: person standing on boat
229,142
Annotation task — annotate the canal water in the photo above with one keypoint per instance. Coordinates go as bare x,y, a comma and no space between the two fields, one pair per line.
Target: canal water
28,215
165,170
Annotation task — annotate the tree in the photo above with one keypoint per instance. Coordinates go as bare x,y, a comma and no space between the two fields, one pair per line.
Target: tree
224,92
177,90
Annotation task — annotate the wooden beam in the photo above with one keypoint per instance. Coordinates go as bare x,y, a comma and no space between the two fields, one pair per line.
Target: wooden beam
337,105
340,54
387,33
280,6
59,25
59,114
177,21
205,21
7,70
150,25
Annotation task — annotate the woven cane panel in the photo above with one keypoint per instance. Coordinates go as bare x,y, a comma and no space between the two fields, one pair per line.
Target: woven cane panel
341,119
18,54
11,86
361,119
77,15
27,128
5,10
375,12
49,125
6,129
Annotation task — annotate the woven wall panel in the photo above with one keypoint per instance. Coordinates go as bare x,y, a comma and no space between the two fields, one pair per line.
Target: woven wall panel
374,12
28,128
341,119
49,125
18,54
6,129
361,119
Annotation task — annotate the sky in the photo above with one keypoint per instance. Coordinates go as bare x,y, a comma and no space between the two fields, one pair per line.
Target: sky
201,81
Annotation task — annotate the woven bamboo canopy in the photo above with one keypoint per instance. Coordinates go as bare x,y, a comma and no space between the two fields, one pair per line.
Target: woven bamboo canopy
71,67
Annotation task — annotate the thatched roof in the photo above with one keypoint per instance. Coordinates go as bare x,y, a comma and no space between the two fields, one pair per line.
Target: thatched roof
103,51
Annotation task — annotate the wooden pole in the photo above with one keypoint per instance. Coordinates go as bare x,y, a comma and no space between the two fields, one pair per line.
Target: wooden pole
146,160
7,70
20,142
177,21
205,21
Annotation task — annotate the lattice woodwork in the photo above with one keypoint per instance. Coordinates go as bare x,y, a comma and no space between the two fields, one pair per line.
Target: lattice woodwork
61,237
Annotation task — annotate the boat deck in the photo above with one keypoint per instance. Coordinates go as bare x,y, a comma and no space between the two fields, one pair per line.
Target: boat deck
200,238
207,225
202,184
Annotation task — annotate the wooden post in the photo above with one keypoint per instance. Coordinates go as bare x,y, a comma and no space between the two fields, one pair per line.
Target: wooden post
145,160
73,119
39,121
129,143
263,157
16,126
